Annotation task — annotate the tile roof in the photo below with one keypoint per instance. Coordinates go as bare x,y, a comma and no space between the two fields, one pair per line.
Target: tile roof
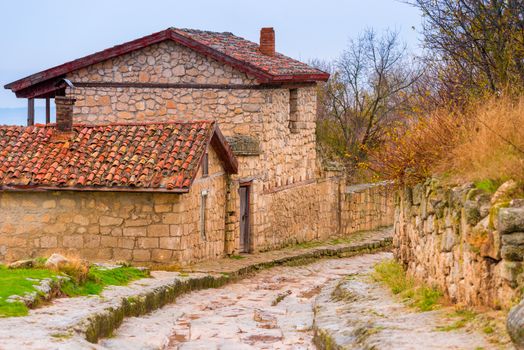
227,48
143,157
248,51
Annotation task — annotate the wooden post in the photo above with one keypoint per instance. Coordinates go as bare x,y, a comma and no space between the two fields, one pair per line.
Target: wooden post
30,111
47,110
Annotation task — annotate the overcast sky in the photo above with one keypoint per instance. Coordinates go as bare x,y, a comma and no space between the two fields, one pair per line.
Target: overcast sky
40,34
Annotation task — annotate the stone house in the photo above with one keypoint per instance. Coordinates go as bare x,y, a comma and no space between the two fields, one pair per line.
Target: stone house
265,105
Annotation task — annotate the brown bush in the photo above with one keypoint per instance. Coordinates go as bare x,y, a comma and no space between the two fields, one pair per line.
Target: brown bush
483,142
492,146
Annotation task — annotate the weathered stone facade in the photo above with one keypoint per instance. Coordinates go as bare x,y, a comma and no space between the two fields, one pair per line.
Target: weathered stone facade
462,240
263,113
286,161
273,131
121,226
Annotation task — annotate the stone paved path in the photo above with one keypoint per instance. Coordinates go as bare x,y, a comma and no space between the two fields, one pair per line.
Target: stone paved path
242,315
65,323
274,310
358,313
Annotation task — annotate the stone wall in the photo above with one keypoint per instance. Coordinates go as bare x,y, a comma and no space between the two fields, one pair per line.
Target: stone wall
286,154
291,201
138,227
462,240
319,210
165,228
367,207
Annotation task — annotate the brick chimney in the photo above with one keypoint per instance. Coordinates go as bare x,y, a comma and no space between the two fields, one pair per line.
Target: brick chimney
64,113
267,41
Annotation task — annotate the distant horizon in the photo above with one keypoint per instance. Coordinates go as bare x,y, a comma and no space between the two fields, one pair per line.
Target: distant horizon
18,115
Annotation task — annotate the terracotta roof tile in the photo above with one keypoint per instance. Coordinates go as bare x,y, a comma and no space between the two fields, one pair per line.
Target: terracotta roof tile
117,156
248,51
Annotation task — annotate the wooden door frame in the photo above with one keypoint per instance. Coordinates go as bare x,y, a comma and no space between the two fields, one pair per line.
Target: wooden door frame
247,245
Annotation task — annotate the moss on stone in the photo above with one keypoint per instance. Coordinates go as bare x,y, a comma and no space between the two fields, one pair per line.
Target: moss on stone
494,212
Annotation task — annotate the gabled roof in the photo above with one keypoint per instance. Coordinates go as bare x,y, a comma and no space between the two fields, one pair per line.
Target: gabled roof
225,47
146,157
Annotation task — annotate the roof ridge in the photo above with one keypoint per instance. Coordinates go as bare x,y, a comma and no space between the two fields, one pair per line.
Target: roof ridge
108,157
168,122
192,30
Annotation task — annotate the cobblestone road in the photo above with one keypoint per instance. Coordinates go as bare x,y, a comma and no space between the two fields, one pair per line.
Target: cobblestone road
273,309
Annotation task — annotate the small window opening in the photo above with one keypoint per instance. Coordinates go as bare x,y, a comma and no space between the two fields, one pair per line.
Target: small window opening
205,165
293,109
203,205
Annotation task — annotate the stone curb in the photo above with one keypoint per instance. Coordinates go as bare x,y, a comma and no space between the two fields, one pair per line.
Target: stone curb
323,335
103,323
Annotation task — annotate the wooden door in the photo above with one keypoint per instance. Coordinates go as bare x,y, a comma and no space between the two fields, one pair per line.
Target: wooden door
244,219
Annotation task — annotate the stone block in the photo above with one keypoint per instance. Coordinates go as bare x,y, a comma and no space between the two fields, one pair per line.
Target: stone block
147,242
81,220
515,325
72,241
158,230
110,221
108,242
511,271
48,242
135,231
161,255
126,242
171,218
67,203
91,241
135,223
510,220
515,238
170,243
141,255
120,254
163,208
512,252
491,248
471,212
449,240
49,204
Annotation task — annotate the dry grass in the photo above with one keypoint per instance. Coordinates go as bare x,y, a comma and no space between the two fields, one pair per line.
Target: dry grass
76,268
484,142
492,147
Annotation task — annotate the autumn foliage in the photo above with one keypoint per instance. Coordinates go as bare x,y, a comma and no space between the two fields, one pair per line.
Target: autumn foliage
485,141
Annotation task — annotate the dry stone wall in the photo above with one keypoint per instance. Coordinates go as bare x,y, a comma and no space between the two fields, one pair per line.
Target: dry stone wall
367,207
462,240
138,227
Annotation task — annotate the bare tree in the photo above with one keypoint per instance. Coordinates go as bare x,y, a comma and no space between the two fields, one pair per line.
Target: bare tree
366,94
478,45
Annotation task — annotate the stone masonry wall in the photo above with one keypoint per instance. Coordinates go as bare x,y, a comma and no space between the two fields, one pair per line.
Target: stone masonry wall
464,241
287,156
319,210
367,207
138,227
